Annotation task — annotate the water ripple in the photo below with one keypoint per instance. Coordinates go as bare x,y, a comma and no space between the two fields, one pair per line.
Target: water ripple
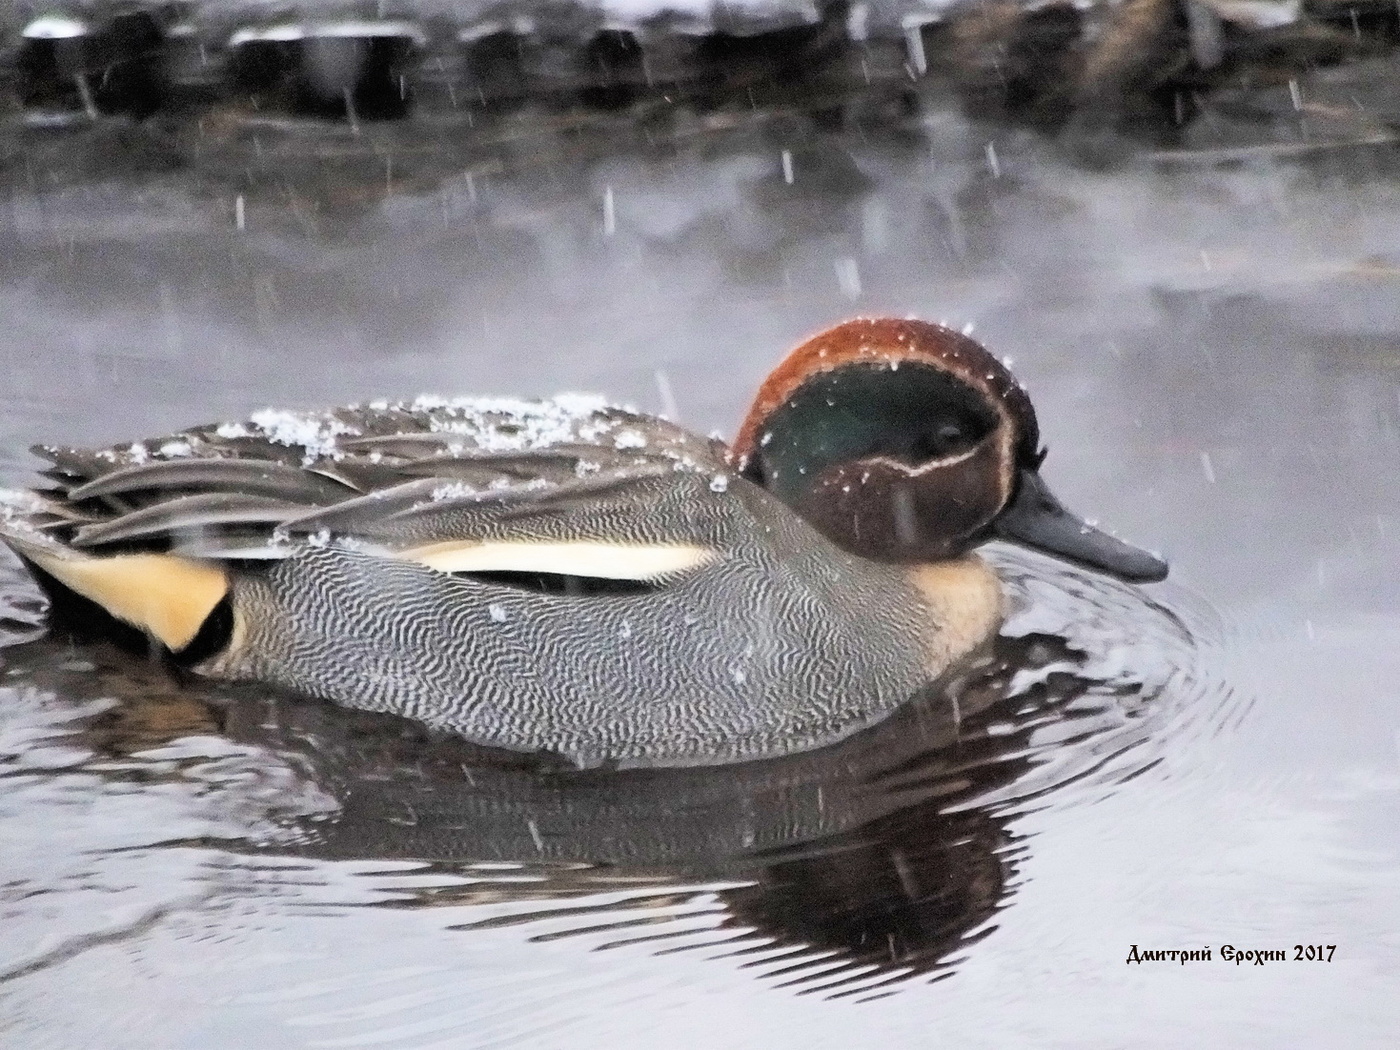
843,873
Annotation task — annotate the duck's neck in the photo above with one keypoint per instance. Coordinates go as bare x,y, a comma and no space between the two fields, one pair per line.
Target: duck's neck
965,603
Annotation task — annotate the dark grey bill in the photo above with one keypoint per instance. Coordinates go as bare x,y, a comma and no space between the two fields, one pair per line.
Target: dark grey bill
1036,519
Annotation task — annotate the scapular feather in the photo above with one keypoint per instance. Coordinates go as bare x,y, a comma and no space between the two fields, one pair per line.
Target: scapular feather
246,477
188,514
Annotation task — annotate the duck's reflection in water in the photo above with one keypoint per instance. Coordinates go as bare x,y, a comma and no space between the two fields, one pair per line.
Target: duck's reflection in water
842,872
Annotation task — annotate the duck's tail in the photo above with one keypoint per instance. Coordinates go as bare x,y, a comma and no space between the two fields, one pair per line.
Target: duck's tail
164,596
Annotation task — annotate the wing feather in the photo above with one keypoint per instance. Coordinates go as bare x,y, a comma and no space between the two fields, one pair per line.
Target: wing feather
188,514
74,464
248,477
395,477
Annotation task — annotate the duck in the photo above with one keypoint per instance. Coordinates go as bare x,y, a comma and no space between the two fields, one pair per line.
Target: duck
569,578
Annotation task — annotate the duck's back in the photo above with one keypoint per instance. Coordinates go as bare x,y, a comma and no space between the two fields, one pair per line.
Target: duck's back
536,576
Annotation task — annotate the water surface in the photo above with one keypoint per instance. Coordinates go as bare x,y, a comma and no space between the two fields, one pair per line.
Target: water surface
1210,761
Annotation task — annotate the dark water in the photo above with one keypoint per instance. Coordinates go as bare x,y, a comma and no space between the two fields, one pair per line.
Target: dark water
1216,760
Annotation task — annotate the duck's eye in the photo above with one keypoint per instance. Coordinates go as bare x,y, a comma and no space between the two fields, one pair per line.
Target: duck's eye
940,441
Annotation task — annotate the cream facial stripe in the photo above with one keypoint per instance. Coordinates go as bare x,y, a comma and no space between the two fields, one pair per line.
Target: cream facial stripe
925,468
589,558
166,596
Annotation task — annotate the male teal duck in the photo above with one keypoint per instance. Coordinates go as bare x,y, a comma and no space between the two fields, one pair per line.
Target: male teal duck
567,577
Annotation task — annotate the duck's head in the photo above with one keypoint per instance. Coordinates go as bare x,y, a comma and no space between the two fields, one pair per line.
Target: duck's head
906,441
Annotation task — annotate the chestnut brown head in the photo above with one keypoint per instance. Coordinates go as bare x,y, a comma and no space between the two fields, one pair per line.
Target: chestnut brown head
907,441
